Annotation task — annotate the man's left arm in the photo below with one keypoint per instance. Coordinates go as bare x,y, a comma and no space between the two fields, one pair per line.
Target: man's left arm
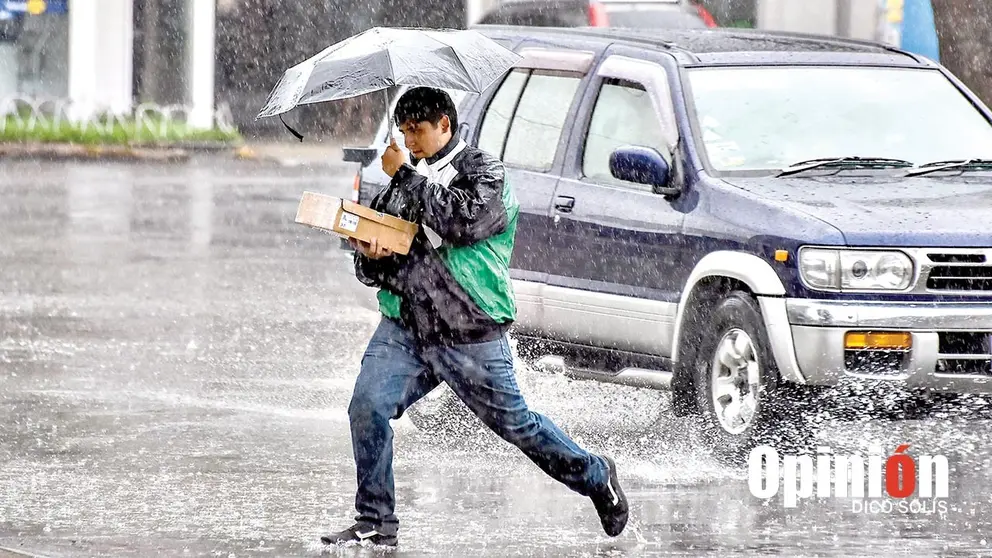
468,210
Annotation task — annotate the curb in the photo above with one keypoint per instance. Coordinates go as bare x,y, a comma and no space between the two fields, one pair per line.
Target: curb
247,153
14,553
177,152
68,151
171,153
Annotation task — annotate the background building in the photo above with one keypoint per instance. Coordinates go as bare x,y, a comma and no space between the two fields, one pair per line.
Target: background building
197,54
96,54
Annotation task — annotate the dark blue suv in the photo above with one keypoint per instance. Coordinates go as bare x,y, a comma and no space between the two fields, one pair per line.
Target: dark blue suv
743,218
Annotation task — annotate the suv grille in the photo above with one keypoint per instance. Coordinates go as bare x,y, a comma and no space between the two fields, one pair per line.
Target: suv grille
965,352
959,272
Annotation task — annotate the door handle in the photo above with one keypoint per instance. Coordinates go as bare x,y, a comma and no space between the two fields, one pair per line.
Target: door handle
565,204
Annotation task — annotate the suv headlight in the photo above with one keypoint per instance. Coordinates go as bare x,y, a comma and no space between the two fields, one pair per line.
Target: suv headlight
855,270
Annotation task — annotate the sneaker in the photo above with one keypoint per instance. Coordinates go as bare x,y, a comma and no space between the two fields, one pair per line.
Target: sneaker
611,503
360,533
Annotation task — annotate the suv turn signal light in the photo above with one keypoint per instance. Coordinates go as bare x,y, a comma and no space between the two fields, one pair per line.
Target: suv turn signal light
878,340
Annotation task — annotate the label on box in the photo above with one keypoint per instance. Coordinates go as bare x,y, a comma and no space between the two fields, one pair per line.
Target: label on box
348,222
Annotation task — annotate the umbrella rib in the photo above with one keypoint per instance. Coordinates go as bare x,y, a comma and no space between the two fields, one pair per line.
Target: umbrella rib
392,73
443,40
458,58
468,73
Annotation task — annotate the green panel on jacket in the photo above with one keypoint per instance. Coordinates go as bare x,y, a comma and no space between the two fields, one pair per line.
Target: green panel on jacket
389,304
482,269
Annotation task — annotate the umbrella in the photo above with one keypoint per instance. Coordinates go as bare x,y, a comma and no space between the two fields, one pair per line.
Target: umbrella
383,57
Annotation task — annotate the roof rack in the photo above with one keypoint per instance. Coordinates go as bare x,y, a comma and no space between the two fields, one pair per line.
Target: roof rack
812,37
663,38
613,33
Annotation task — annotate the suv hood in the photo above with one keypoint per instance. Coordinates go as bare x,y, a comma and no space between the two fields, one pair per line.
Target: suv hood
889,210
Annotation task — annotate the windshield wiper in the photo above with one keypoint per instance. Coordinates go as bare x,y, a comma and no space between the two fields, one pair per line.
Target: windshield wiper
962,165
844,162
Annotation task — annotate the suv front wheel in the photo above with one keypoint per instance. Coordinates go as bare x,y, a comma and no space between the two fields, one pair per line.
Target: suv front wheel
738,390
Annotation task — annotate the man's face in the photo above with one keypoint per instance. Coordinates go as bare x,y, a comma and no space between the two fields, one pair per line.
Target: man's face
424,139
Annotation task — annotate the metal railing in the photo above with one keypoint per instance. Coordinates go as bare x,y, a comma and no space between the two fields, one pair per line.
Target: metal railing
38,114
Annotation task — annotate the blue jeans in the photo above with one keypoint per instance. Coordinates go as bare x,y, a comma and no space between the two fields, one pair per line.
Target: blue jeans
396,372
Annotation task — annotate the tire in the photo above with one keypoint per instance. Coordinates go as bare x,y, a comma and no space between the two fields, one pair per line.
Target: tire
440,412
734,346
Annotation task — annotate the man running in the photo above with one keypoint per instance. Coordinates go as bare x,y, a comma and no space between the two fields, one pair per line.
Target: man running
446,308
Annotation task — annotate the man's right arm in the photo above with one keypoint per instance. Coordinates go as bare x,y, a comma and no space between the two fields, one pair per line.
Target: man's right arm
467,210
367,271
374,272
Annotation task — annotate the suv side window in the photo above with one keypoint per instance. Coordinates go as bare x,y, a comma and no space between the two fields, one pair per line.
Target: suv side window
623,115
496,122
539,119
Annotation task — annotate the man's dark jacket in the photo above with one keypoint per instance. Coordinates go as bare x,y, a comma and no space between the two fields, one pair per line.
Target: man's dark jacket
458,290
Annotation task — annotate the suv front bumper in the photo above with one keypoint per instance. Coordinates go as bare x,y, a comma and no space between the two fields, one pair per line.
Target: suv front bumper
951,348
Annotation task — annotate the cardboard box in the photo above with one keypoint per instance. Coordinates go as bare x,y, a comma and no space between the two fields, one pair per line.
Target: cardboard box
351,220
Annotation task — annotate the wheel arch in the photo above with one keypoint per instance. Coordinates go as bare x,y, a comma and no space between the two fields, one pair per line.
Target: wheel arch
718,273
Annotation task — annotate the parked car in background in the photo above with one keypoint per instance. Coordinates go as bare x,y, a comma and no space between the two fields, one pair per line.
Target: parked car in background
743,218
666,14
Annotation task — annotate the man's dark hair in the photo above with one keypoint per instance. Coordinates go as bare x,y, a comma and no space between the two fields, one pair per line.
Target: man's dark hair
426,104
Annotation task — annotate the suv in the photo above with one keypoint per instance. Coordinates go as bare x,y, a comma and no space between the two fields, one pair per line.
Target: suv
742,218
645,14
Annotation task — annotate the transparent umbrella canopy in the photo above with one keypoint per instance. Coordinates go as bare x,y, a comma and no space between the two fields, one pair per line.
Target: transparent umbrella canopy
381,57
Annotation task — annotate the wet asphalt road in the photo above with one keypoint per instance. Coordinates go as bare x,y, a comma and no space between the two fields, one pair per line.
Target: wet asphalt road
176,359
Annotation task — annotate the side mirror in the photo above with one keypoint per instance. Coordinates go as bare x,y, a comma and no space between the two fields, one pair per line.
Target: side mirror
642,165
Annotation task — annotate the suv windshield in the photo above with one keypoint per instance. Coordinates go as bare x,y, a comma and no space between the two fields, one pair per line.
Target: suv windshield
760,118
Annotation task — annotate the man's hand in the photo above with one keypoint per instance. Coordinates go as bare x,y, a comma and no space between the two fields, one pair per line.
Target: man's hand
370,249
392,158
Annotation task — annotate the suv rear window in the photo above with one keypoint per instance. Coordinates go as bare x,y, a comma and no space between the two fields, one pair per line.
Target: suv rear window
539,120
523,123
492,134
568,13
636,15
571,13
